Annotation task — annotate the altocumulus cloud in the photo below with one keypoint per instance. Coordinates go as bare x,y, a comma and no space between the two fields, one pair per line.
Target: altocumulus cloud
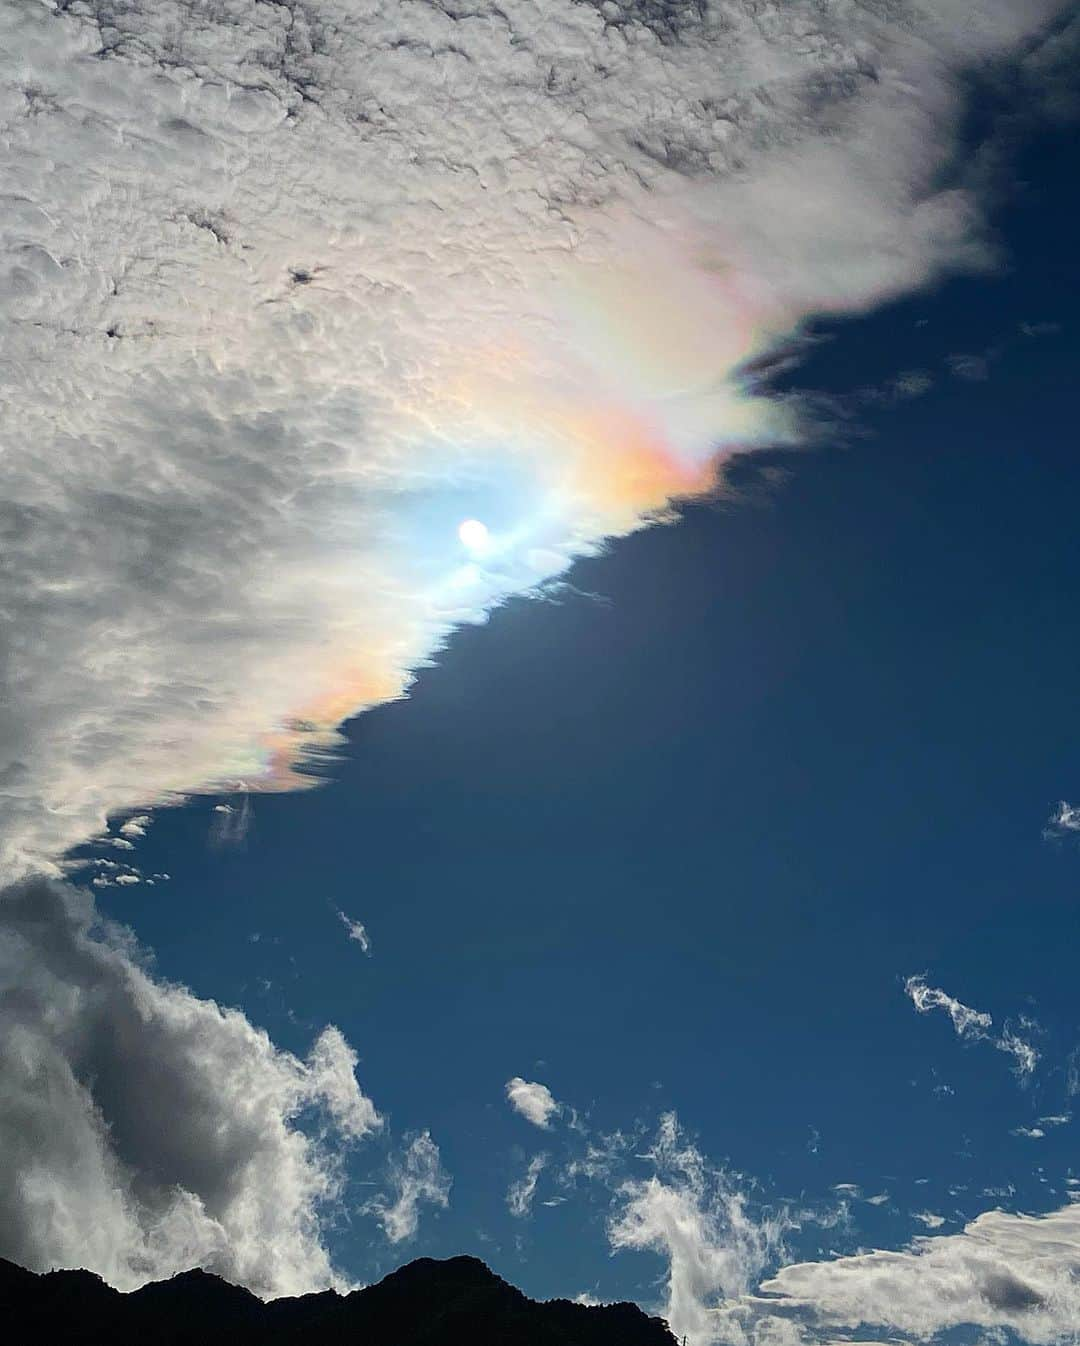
288,292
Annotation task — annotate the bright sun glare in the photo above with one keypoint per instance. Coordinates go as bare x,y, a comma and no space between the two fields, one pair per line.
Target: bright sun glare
474,535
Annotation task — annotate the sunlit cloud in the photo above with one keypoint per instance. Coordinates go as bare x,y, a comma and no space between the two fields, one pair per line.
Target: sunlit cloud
535,1102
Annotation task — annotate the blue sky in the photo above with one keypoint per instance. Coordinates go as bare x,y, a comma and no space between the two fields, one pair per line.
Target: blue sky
674,837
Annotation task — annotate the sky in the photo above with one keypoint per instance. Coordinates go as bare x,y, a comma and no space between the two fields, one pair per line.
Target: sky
539,579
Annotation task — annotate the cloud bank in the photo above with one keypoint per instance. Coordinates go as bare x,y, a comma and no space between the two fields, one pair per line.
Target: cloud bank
288,295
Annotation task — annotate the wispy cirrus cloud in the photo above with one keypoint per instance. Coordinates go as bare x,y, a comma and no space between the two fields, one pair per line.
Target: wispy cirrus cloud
520,1193
976,1025
1063,822
416,1178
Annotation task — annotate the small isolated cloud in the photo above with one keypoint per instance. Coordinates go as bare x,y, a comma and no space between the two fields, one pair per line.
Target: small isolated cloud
519,1195
136,827
968,1022
533,1101
1057,1119
231,823
975,1025
1029,1132
416,1177
929,1219
971,368
356,931
1063,822
1040,329
912,383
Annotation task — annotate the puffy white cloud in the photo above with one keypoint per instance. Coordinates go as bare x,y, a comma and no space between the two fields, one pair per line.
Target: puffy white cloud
417,1176
535,1102
135,827
519,1195
144,1130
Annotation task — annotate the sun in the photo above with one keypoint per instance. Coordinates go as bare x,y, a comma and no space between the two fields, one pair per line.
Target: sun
474,535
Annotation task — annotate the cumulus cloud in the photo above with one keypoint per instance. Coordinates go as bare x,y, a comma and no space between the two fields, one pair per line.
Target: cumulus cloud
416,1177
356,931
535,1102
145,1131
519,1195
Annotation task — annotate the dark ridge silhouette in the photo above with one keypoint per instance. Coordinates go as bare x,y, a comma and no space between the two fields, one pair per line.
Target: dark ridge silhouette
459,1302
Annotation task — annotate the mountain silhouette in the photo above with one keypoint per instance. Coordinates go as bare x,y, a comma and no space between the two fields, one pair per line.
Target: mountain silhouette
457,1302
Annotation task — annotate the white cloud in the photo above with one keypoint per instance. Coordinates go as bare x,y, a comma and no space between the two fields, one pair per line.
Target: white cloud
531,250
929,1218
1003,1273
1025,1056
697,1219
145,1131
416,1177
136,827
1063,822
1030,1132
976,1025
969,1023
356,932
533,1101
519,1195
